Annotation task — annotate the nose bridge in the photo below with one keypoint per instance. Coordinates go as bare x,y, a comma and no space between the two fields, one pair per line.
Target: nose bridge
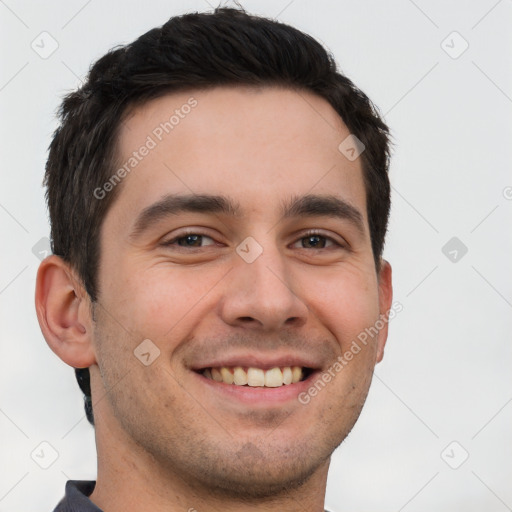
260,290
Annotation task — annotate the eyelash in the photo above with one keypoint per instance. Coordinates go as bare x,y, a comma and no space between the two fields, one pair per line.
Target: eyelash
313,232
305,235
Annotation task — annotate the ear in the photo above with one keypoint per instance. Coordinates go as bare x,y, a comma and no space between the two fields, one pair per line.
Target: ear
63,310
385,300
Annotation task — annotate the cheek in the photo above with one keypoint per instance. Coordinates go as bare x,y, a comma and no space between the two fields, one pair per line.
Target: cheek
345,302
155,301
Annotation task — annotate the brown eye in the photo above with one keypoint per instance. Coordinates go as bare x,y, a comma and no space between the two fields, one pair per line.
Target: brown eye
189,240
314,242
317,241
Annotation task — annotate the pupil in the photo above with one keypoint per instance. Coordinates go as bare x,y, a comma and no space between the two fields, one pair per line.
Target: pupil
313,240
190,238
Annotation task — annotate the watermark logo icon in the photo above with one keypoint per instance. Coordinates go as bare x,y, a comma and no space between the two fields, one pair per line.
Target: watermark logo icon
454,249
455,455
45,45
249,250
44,455
454,45
351,148
147,352
42,248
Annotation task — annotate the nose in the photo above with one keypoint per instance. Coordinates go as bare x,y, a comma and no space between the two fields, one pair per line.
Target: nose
262,294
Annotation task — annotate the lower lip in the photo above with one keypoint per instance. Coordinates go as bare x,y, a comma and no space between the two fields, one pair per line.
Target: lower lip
259,395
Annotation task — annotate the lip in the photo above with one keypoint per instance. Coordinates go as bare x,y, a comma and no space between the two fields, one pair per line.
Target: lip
259,361
258,395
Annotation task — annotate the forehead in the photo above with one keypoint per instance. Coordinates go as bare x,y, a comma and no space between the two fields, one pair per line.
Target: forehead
255,144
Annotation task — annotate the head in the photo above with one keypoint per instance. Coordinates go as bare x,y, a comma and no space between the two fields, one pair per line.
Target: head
245,109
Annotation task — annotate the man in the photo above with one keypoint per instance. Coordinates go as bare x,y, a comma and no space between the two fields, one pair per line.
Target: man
219,198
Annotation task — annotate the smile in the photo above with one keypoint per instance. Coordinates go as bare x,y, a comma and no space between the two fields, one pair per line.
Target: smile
257,377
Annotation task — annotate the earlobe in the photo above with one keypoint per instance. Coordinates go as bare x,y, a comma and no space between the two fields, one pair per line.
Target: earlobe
64,312
385,300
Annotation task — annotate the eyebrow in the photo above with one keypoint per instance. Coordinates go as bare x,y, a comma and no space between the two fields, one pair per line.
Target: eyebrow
323,206
297,206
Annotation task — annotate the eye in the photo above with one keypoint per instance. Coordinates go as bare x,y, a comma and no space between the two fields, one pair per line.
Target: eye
316,240
310,240
190,240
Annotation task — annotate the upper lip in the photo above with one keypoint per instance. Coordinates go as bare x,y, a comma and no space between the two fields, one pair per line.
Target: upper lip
262,361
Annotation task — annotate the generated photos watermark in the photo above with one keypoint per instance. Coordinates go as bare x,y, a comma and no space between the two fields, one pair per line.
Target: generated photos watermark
151,142
343,360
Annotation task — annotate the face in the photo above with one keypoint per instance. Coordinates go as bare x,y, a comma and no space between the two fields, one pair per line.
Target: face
275,271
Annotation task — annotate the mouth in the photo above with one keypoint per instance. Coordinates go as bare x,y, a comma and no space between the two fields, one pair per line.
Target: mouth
244,376
253,379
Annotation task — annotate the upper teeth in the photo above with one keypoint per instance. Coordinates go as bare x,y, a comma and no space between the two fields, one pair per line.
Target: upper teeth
272,378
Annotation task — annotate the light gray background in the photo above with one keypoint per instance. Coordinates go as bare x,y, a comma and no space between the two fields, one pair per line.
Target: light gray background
446,372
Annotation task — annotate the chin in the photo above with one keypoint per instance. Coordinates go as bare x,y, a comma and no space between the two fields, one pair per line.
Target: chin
254,476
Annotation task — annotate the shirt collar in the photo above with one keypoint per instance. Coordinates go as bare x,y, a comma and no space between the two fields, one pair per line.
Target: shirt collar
76,498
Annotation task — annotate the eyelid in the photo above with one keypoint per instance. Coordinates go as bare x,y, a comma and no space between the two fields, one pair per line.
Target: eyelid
187,232
310,232
297,237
